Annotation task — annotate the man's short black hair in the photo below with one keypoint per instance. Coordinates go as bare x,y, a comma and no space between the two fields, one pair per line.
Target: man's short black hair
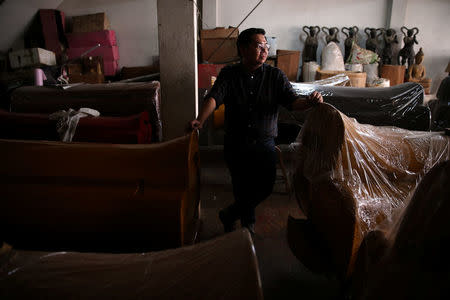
245,37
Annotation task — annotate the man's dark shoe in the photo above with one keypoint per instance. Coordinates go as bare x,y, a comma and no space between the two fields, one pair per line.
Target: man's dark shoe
229,224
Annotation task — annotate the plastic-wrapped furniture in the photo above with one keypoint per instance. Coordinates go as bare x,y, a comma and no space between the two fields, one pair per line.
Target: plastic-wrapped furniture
223,268
350,178
410,260
99,197
400,105
111,100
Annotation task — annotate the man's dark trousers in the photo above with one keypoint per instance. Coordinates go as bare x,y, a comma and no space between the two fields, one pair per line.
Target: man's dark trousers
252,166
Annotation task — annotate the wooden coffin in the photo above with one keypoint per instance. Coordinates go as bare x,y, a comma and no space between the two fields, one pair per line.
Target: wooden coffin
409,261
223,268
352,177
106,197
112,100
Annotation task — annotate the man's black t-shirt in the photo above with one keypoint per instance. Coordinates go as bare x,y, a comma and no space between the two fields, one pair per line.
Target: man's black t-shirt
251,100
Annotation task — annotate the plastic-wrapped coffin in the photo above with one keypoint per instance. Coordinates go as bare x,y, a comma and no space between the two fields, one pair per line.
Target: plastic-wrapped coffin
400,105
99,197
410,260
350,178
224,268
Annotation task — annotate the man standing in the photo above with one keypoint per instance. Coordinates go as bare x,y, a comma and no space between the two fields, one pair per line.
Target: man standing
251,92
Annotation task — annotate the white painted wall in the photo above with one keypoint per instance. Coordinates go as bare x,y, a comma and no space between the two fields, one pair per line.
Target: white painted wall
285,18
135,23
15,16
432,17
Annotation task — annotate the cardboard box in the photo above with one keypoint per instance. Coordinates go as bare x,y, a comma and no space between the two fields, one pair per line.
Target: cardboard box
90,23
31,57
212,39
87,78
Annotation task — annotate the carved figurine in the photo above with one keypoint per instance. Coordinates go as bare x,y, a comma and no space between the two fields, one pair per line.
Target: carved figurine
331,34
407,52
417,72
311,43
372,38
351,35
389,37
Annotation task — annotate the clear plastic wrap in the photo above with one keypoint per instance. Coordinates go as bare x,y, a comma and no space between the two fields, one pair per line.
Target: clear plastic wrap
410,260
351,178
203,271
400,105
377,166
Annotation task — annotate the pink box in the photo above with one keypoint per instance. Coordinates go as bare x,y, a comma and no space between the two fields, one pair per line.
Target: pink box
90,39
110,67
109,53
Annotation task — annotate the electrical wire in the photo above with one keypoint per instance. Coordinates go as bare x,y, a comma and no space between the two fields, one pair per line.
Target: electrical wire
221,44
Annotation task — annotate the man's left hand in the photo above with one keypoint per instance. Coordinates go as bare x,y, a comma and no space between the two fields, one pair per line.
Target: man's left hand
314,98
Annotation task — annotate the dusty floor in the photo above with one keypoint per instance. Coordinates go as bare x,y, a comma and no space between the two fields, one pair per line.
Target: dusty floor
282,274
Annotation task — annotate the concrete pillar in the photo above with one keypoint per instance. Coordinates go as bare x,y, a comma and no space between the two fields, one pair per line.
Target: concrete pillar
210,14
396,14
177,30
395,19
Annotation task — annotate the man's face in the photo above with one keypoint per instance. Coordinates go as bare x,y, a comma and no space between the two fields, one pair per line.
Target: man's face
256,52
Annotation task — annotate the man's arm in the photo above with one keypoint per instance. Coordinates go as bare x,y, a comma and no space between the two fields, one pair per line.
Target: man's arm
302,103
207,108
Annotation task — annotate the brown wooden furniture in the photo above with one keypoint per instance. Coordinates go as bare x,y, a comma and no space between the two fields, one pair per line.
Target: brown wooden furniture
99,197
411,259
111,100
351,178
223,268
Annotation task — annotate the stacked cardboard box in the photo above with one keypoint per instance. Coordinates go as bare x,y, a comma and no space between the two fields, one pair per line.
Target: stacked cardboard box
219,45
90,31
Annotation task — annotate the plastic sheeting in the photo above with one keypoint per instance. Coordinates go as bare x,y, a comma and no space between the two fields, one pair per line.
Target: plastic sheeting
377,166
223,268
411,261
400,105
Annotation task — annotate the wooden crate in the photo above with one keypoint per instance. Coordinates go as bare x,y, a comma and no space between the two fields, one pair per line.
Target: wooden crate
90,23
357,79
288,61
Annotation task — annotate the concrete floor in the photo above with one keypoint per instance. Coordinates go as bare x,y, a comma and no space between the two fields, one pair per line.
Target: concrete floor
282,274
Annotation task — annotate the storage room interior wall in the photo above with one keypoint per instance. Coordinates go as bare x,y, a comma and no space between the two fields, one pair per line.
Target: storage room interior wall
284,19
135,23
